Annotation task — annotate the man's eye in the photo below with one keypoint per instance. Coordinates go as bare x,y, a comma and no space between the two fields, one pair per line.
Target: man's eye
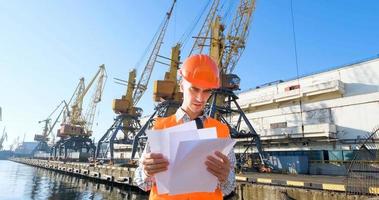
194,89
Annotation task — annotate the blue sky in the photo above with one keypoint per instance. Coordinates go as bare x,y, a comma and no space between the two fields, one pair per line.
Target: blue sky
46,46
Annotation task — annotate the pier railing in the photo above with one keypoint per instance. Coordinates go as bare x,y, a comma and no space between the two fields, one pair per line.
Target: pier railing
363,176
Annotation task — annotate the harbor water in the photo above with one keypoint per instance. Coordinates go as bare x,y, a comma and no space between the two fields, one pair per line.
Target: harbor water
19,181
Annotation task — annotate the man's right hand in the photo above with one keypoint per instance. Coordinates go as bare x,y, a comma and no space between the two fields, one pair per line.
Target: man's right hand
154,163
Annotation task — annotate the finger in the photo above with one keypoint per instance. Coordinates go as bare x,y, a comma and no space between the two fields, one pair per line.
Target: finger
224,161
219,176
219,165
216,160
215,173
222,172
151,161
156,166
214,166
154,171
223,169
154,155
222,156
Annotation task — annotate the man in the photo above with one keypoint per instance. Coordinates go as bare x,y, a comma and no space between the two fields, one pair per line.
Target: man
200,75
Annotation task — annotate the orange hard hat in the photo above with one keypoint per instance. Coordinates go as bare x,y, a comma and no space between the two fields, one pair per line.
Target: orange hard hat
201,71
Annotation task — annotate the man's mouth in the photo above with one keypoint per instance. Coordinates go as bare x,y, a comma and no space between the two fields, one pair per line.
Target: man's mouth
197,104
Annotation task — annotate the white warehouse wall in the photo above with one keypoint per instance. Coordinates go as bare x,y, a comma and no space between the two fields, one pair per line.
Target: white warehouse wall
355,113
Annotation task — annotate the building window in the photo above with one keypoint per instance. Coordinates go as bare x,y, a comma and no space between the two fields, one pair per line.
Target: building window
292,87
278,125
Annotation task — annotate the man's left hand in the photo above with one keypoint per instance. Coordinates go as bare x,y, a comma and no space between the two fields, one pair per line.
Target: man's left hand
218,166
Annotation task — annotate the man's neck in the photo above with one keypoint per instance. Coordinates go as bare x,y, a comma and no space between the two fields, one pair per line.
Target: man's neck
191,114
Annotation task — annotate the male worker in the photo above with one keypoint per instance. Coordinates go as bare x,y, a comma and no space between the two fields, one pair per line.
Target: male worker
200,75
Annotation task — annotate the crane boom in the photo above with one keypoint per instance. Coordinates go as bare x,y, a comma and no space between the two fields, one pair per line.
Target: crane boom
81,91
96,98
145,76
77,106
203,34
65,108
99,90
237,34
47,129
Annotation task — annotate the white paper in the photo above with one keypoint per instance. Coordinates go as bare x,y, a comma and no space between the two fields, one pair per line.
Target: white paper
207,133
186,149
179,136
159,141
189,173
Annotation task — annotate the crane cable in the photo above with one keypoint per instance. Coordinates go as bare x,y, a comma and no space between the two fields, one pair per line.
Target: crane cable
228,9
297,68
150,45
186,35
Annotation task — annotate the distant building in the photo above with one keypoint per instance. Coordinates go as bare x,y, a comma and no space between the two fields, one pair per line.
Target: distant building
5,154
324,116
26,149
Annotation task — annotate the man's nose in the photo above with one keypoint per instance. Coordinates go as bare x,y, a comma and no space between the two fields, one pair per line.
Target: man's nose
200,97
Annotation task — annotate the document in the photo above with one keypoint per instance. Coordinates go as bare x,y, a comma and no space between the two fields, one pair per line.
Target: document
186,149
189,173
159,141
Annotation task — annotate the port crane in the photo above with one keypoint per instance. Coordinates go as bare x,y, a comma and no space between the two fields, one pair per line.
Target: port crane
226,51
76,128
166,92
128,114
43,138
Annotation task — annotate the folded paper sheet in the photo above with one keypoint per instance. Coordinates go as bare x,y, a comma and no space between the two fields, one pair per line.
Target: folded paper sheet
186,149
159,141
189,173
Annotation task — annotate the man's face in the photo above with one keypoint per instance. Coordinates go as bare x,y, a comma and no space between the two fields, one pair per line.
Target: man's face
194,98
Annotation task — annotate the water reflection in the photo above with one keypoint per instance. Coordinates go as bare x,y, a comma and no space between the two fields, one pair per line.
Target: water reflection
25,182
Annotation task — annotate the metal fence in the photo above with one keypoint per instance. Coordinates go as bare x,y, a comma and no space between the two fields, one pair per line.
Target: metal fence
363,171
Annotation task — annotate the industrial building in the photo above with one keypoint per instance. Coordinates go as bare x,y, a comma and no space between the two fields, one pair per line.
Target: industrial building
26,149
320,117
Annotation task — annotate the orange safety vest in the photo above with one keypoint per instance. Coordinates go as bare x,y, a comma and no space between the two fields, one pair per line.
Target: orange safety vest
222,132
